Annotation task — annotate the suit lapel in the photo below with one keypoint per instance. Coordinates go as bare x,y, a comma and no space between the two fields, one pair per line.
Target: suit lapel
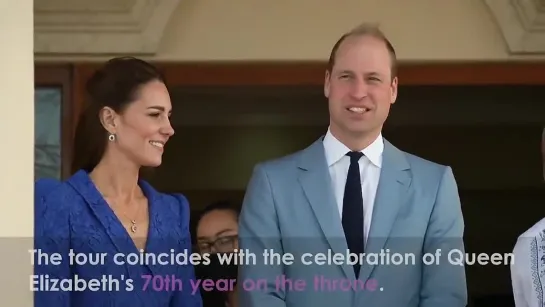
160,235
157,232
102,211
316,183
394,181
82,184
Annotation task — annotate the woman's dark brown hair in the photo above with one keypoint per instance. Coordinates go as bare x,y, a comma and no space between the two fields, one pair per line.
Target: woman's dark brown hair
115,85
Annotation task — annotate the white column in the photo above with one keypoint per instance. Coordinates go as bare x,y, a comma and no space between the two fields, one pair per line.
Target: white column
16,151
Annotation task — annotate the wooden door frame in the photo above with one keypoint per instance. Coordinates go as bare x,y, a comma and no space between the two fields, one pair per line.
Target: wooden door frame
312,73
305,73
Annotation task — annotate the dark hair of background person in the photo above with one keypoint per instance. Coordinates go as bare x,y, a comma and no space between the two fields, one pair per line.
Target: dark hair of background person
115,85
219,205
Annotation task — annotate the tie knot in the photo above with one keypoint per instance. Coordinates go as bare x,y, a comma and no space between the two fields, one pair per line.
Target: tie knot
354,156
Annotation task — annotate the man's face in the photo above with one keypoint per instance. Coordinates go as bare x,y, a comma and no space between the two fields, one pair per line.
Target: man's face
217,232
360,88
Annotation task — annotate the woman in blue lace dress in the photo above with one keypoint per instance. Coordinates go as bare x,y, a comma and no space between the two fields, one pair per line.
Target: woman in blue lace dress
122,243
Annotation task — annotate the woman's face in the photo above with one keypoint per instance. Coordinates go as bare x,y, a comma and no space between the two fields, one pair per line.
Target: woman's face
143,128
217,232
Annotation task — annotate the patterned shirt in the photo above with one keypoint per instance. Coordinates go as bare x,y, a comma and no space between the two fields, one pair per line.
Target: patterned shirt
528,268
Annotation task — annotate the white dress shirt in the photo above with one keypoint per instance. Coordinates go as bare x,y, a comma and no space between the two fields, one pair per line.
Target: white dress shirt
370,165
528,267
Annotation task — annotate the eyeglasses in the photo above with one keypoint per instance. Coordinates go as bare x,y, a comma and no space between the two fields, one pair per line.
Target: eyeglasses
223,244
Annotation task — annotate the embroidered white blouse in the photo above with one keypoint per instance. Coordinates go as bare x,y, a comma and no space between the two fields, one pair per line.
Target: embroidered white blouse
528,267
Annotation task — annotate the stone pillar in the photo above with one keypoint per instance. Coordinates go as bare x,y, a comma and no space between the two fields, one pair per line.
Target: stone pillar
17,151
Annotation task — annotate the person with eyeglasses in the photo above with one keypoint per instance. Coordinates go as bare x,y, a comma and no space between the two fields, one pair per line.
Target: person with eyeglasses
217,232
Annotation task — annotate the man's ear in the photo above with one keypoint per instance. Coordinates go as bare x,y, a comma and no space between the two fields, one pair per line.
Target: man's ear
393,97
326,83
108,119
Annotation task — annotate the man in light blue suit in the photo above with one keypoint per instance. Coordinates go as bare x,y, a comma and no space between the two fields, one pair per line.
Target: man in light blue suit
353,193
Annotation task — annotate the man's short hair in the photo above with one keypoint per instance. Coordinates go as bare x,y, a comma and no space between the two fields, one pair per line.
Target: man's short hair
365,29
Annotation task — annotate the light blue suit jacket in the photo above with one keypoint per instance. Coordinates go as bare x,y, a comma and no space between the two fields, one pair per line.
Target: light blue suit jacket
290,208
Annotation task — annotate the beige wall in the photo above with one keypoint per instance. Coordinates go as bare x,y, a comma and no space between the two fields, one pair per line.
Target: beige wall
421,30
17,124
307,29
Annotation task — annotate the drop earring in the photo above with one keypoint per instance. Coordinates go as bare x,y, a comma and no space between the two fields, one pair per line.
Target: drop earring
111,137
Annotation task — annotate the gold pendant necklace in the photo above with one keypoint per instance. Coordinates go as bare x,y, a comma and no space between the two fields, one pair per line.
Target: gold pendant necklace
134,228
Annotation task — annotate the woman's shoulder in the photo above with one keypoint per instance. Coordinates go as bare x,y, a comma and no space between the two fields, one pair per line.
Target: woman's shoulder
54,191
45,187
172,203
173,199
176,202
46,184
51,208
178,199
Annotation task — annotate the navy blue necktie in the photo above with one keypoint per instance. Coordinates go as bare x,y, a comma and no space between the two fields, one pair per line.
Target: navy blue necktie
352,217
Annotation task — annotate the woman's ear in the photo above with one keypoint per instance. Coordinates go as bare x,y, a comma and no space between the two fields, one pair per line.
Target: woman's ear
108,118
